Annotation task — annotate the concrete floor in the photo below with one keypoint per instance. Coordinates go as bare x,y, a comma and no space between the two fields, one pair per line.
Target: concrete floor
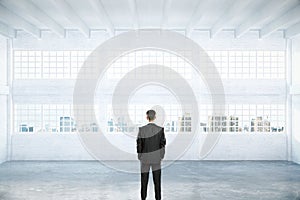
181,181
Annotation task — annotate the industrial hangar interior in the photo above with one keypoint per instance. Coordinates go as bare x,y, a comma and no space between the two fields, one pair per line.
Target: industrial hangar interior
74,90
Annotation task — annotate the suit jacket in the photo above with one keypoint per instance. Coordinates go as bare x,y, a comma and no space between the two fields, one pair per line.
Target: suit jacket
151,142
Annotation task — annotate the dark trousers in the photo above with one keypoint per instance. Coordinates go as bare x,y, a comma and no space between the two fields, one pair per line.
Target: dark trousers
156,174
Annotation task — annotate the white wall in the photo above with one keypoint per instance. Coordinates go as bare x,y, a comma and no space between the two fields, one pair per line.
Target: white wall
295,95
76,41
238,146
254,146
3,99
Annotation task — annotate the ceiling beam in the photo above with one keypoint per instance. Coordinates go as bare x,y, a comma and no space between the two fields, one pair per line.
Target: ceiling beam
293,31
6,30
202,7
196,15
135,14
165,12
233,11
14,21
71,15
27,9
291,17
102,13
261,13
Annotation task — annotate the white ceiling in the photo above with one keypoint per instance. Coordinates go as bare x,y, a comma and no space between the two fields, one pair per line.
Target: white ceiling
241,16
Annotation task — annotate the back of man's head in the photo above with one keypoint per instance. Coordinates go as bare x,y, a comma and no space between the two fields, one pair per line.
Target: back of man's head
151,115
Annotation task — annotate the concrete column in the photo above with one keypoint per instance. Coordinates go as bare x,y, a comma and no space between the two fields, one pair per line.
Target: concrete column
289,98
4,96
295,99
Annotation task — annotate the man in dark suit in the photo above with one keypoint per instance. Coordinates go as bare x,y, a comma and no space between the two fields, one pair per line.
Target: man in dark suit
151,143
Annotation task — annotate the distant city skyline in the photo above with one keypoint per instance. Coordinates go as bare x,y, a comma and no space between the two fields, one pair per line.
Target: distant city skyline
183,123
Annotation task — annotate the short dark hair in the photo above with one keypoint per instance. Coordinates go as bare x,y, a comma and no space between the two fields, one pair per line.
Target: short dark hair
151,115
